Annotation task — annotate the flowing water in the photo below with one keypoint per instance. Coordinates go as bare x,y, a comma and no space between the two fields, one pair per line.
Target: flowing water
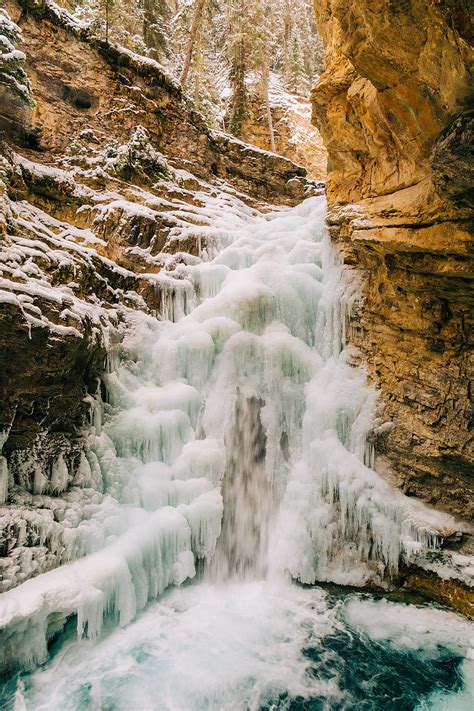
234,434
241,550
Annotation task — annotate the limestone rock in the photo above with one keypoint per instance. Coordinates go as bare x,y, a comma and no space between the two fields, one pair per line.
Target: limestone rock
452,161
295,136
394,108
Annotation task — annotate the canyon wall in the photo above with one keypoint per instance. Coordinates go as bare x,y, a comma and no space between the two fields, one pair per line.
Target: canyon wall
82,83
395,109
295,135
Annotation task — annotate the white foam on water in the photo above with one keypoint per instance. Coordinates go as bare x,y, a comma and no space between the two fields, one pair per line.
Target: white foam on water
235,647
430,631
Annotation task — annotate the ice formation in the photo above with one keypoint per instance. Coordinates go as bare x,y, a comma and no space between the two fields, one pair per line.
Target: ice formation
241,393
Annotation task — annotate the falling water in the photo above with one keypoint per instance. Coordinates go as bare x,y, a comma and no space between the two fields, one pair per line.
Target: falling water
234,433
248,498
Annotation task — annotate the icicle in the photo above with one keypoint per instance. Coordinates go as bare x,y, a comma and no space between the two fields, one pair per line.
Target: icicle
95,413
4,475
40,480
59,475
3,479
83,474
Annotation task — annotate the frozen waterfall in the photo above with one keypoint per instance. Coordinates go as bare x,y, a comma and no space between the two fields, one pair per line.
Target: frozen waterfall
233,432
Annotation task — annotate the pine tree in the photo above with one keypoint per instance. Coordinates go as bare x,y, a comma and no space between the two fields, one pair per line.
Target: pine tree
12,74
209,66
203,42
238,24
296,73
108,6
157,15
194,38
128,20
314,48
261,40
286,30
179,29
197,70
119,21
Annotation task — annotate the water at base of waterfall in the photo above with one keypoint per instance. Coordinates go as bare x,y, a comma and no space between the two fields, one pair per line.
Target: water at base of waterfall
257,645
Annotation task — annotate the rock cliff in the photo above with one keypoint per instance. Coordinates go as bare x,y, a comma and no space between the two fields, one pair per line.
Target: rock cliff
394,107
82,83
295,135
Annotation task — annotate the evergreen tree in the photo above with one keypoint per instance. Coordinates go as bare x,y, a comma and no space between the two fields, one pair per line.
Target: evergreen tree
297,81
108,6
119,21
261,45
157,15
237,47
209,64
209,44
314,49
194,38
12,74
286,29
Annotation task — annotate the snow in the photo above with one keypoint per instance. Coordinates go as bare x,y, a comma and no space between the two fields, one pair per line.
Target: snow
149,62
40,245
229,139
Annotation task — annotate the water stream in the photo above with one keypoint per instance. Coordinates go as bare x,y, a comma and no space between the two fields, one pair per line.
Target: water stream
233,436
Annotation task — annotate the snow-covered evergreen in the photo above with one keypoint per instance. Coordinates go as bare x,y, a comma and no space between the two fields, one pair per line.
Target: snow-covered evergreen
12,74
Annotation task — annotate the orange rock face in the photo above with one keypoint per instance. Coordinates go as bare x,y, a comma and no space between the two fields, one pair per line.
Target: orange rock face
296,137
394,107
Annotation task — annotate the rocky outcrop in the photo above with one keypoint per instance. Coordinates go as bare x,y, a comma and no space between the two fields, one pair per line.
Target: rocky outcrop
394,109
295,136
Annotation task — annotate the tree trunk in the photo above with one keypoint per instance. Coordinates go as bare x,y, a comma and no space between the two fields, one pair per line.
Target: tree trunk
107,22
266,97
271,132
238,67
195,28
197,70
239,94
287,27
